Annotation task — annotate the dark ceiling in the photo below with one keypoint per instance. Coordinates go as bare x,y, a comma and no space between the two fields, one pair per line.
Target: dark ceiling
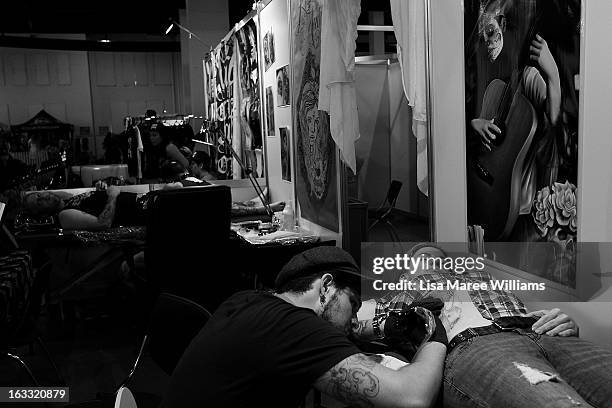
118,16
87,16
99,16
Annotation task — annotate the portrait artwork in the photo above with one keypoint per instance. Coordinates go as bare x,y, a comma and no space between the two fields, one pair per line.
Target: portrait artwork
268,50
285,152
316,178
282,86
270,111
522,66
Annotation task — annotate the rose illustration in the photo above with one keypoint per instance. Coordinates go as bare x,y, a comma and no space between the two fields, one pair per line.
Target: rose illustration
544,211
564,198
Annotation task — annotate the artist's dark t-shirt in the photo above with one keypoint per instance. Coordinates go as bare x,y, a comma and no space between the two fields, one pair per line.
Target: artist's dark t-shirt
257,350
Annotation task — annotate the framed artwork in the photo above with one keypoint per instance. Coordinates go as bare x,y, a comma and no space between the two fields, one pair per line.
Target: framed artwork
270,111
268,50
316,178
282,86
285,152
522,63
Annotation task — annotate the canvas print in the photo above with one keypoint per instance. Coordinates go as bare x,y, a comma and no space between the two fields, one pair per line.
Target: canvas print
285,151
315,152
220,67
268,50
248,97
522,64
282,86
270,111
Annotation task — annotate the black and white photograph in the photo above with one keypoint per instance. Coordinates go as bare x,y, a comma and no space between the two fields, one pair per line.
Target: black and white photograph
269,50
305,203
270,112
283,96
285,153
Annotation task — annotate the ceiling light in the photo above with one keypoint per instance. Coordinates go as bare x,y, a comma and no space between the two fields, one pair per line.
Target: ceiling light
185,29
106,40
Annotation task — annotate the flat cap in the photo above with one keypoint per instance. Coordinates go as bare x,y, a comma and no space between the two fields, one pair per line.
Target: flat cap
321,259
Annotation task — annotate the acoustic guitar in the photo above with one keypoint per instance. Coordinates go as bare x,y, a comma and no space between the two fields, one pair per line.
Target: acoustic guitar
494,177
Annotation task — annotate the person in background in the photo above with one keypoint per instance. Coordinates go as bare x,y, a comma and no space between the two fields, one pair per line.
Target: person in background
199,166
164,148
176,176
93,211
269,348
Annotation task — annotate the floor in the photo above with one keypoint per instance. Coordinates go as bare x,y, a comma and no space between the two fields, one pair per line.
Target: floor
94,343
408,227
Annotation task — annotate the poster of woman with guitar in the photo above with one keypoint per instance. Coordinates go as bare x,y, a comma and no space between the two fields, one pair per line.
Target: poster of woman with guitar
522,62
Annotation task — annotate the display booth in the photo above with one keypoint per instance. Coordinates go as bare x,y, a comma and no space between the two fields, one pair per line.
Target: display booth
263,86
41,135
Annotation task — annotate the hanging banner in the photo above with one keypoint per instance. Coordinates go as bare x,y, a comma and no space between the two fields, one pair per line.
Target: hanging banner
316,172
220,76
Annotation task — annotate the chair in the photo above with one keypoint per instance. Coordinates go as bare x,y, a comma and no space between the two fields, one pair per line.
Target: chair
188,231
173,323
383,213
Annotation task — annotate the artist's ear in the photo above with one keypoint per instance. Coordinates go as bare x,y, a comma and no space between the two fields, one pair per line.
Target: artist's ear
327,281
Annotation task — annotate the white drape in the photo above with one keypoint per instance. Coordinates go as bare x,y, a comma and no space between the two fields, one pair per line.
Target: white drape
409,26
336,83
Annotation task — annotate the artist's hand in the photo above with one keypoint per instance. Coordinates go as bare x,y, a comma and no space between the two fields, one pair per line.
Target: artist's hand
439,335
540,54
113,191
554,323
487,130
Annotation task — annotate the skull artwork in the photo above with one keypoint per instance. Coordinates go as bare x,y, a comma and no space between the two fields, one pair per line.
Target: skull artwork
313,133
491,27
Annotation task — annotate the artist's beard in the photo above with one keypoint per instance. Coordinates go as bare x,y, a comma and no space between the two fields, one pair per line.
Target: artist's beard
330,310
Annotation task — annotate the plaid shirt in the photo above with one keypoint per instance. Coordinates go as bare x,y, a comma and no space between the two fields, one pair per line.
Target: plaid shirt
491,304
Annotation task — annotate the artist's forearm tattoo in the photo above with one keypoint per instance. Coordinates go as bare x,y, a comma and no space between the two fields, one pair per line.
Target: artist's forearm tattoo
353,381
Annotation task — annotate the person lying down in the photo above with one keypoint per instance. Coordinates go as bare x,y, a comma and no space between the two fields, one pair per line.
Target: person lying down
108,207
499,354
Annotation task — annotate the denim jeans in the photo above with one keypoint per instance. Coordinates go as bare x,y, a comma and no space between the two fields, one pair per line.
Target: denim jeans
522,369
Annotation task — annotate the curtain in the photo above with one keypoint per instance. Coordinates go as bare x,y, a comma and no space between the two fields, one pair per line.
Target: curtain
409,26
336,87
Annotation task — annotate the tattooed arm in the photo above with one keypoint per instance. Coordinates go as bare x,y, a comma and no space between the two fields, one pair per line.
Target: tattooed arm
73,219
107,215
361,382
